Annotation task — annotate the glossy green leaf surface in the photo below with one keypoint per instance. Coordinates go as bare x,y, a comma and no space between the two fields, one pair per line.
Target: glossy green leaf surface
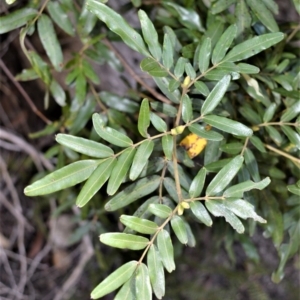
251,164
216,95
156,272
209,135
164,108
159,124
221,5
197,183
109,134
152,67
95,181
142,283
139,225
126,291
232,148
133,192
228,125
291,112
63,178
201,213
58,93
84,146
118,25
16,19
120,170
204,54
160,210
269,113
253,46
144,118
224,176
201,87
114,280
124,241
50,42
167,144
179,228
247,69
258,144
166,251
187,109
292,135
167,54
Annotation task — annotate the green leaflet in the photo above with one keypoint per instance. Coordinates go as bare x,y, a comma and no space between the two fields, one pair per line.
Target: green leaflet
269,113
124,240
142,283
139,225
187,109
141,158
166,251
178,226
221,5
167,55
197,184
133,192
144,118
253,46
120,170
228,125
63,178
232,148
291,112
243,19
251,164
160,210
201,213
215,96
152,67
204,54
114,280
126,291
159,124
118,25
224,176
16,19
84,146
50,42
109,134
150,35
167,144
58,93
95,181
292,135
156,272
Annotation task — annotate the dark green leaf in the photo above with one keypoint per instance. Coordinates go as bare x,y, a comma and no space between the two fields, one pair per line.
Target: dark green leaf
216,95
63,178
238,190
251,165
164,108
139,225
142,283
202,88
167,144
232,148
89,72
156,272
201,213
133,192
166,251
40,67
228,125
190,71
269,113
150,34
247,69
243,19
163,84
160,210
221,5
224,176
294,189
183,177
95,182
223,44
59,16
173,85
84,146
120,170
208,135
152,67
180,66
109,134
26,75
204,54
118,25
292,135
58,93
197,184
258,144
178,225
167,55
291,112
50,42
187,110
114,280
253,46
80,88
144,118
191,237
16,19
159,124
141,158
274,135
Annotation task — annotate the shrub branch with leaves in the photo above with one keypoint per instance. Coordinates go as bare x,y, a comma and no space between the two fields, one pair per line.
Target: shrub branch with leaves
217,90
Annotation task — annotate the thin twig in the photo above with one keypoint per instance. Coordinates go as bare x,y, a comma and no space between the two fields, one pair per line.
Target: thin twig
134,75
292,158
23,93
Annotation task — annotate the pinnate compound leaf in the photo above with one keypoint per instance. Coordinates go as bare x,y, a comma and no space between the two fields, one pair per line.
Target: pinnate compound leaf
223,44
118,25
95,181
166,251
139,225
150,34
178,226
160,210
201,213
124,240
133,192
142,283
167,145
109,134
228,125
237,191
114,280
197,184
156,272
204,54
50,42
253,46
16,19
224,176
84,146
144,118
152,67
216,95
120,170
63,178
218,209
141,158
